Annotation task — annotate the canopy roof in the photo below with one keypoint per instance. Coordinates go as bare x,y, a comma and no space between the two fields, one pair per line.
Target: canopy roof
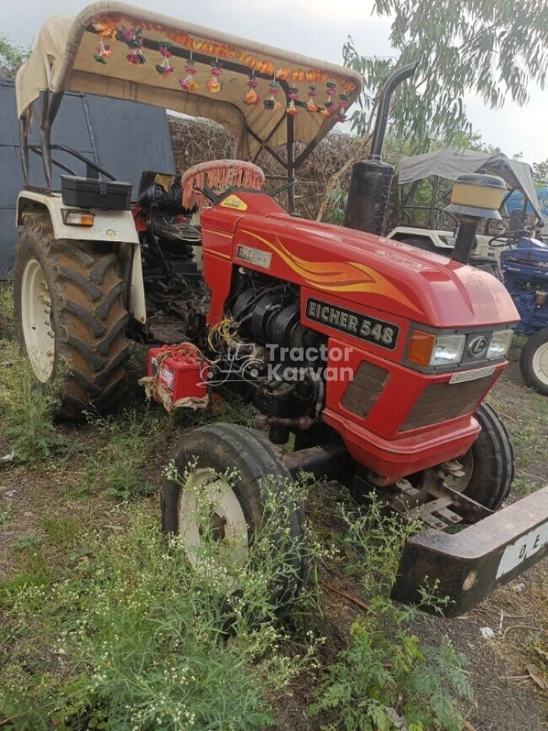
118,50
450,164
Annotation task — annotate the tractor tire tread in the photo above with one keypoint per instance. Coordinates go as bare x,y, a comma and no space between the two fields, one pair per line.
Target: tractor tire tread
88,314
494,460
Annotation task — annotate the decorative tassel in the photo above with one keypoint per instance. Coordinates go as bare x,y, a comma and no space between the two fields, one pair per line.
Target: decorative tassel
312,93
331,90
132,39
343,106
214,85
165,68
106,32
188,84
292,95
103,52
252,98
273,104
219,177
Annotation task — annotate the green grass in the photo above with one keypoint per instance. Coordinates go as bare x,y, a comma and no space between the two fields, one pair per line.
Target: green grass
7,315
62,531
124,634
385,665
5,511
123,448
525,414
26,413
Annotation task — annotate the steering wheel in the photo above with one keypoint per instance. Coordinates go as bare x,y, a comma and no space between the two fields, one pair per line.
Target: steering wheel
503,238
200,182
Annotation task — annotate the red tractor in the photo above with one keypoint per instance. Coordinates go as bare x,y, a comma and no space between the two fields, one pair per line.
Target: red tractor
371,356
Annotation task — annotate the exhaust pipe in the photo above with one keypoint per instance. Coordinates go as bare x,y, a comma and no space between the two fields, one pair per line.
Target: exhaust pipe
372,178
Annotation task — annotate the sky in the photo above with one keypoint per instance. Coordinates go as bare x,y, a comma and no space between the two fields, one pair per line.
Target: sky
316,28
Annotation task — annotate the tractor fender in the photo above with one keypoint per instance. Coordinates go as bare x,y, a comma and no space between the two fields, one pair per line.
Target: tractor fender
115,227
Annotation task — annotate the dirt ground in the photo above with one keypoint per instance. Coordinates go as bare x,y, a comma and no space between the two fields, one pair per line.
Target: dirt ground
507,698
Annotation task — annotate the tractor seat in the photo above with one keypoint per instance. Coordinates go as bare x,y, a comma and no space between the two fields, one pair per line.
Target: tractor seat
163,192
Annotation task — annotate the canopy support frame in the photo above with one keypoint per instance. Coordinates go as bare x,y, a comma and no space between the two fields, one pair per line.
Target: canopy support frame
50,102
45,136
24,148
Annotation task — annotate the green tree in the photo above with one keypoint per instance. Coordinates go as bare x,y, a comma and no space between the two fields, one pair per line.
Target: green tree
540,172
491,48
11,56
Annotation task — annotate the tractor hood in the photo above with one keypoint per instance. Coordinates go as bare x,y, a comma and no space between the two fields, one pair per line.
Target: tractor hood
369,271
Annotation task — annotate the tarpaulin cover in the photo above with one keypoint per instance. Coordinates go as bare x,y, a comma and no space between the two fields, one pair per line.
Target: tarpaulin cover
89,53
451,164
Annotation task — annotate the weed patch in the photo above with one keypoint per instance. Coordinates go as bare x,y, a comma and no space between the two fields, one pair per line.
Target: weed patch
127,445
386,675
7,315
5,511
26,413
131,637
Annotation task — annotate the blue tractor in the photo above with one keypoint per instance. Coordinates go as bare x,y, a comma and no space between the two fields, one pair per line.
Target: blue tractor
525,268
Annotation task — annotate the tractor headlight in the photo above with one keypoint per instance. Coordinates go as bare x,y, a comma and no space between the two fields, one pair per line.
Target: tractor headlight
501,341
427,349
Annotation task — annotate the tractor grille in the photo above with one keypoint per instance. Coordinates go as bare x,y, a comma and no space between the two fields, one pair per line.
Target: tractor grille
363,392
443,401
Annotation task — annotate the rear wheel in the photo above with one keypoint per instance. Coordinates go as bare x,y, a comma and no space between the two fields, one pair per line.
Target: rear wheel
534,362
70,316
237,504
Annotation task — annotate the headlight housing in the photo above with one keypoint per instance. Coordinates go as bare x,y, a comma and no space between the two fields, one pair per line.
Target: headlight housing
499,347
429,350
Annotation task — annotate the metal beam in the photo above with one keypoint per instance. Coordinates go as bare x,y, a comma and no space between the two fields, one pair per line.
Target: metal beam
45,135
291,163
268,148
24,143
265,143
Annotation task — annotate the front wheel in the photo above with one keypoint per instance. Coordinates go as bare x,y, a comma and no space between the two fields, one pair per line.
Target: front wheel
487,470
242,480
534,362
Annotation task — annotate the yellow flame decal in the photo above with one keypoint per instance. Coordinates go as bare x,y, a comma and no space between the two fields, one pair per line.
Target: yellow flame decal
337,276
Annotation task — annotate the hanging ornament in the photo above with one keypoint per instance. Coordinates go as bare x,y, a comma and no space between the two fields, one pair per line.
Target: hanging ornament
343,106
103,52
214,85
252,98
132,38
292,95
165,68
273,104
312,93
188,83
330,90
107,33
